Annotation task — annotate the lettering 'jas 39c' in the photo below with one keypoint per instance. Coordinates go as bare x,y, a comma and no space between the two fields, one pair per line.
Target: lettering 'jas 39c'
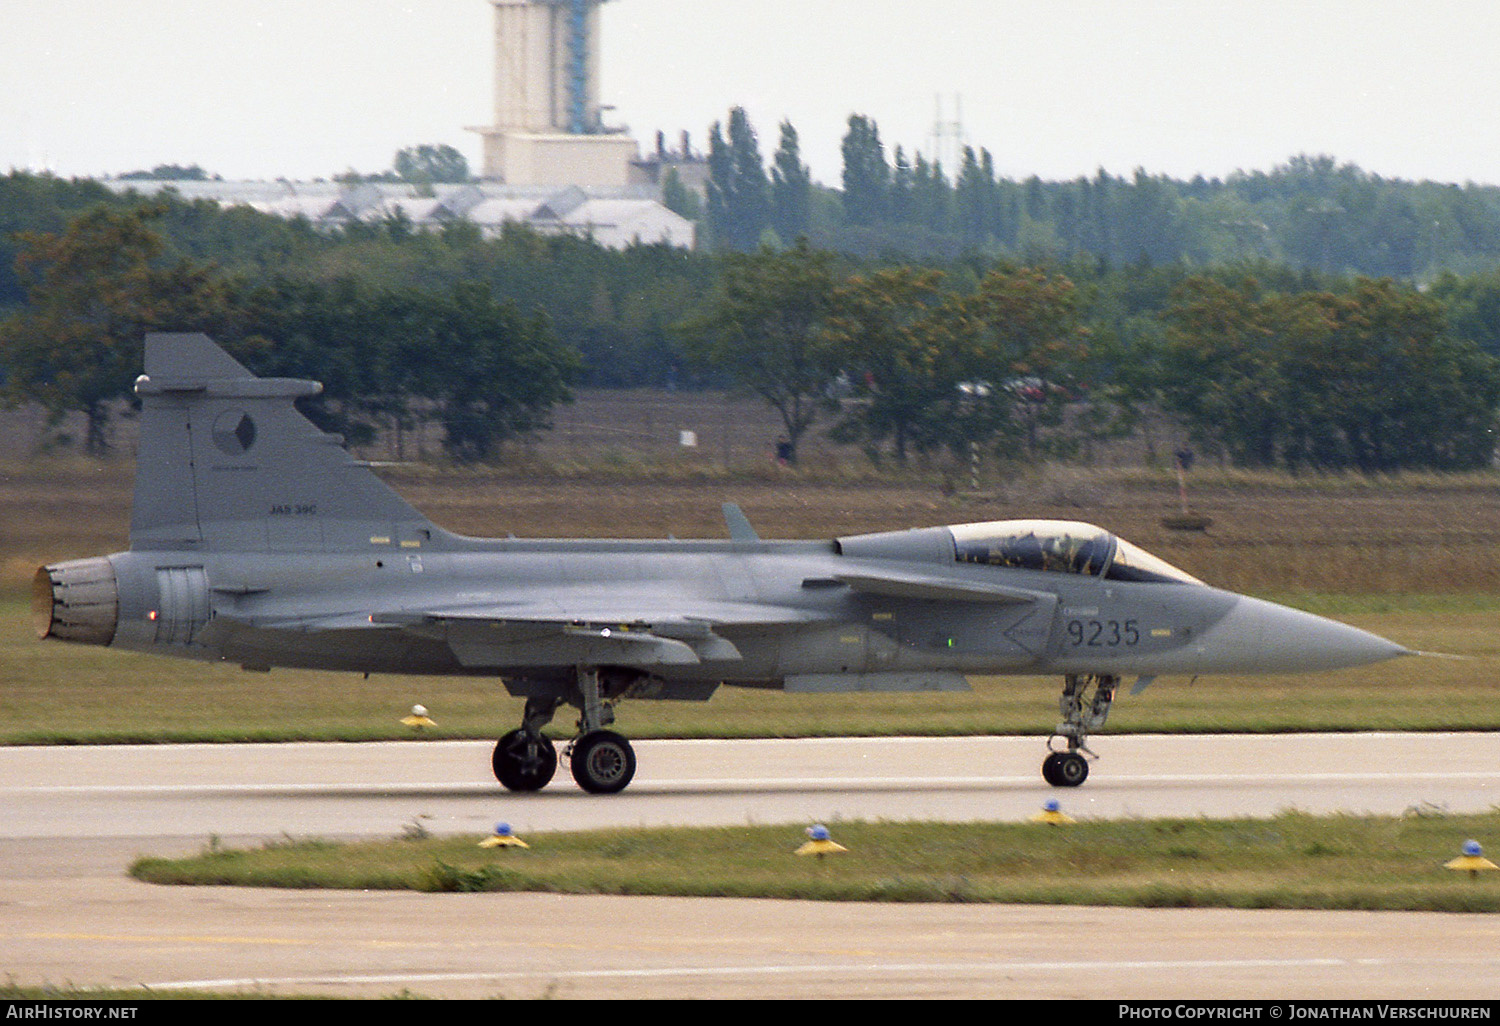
256,539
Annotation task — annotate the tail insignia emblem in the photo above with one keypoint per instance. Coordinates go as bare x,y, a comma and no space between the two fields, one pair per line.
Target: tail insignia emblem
234,432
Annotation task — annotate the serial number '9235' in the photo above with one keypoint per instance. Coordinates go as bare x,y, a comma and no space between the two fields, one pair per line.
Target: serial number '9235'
297,509
1103,633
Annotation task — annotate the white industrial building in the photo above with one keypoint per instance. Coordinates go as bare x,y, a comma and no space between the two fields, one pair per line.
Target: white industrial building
613,218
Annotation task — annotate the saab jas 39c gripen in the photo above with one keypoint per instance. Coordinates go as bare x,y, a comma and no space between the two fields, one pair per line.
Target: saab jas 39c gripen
256,539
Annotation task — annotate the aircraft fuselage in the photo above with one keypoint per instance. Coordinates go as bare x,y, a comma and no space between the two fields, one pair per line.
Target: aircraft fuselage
313,610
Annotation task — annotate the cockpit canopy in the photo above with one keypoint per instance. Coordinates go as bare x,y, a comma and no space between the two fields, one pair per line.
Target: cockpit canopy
1061,546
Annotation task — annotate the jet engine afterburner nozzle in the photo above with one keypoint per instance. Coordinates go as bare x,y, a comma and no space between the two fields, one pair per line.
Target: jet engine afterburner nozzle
78,600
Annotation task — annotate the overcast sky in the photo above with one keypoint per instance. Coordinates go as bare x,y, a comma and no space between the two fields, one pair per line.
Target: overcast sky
1057,88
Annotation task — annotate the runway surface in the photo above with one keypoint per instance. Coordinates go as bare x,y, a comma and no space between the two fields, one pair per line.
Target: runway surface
75,817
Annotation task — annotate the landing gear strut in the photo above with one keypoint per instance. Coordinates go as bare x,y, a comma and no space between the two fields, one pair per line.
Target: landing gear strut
602,761
1080,717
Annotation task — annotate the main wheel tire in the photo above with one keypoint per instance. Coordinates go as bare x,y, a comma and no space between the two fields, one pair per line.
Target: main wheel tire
524,760
603,762
1071,769
1049,769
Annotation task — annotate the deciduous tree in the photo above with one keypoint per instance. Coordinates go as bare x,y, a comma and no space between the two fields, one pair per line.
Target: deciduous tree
1367,379
431,163
766,326
93,292
937,368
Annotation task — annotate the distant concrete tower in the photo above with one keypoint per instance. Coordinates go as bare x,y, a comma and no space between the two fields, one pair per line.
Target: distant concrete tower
548,128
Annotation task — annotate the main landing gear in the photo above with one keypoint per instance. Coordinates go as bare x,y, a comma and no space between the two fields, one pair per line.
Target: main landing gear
602,761
1080,717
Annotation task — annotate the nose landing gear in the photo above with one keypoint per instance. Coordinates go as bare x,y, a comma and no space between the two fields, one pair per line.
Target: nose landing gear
1080,717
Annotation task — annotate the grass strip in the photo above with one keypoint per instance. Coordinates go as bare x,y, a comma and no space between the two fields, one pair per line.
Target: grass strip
1291,861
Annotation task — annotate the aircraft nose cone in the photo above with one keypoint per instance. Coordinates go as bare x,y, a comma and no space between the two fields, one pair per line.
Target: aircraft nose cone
1263,637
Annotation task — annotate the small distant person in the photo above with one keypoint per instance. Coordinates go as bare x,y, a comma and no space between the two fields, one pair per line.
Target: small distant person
785,454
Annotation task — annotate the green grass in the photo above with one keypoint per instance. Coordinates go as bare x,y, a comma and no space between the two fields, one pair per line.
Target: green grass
1291,861
56,693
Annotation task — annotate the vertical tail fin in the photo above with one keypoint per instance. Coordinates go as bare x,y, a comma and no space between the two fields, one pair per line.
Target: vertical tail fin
227,463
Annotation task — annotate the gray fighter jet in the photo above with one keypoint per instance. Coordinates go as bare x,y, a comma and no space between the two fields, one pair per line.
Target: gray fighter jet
256,539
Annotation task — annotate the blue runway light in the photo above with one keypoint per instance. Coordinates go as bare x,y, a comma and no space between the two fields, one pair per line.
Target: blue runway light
820,843
503,837
1052,814
1472,860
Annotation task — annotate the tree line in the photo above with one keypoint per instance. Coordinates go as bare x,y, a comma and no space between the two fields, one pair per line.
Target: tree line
910,360
1311,212
1263,362
480,367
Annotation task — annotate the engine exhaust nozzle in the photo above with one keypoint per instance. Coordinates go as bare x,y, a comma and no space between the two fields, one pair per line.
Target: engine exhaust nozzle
78,600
